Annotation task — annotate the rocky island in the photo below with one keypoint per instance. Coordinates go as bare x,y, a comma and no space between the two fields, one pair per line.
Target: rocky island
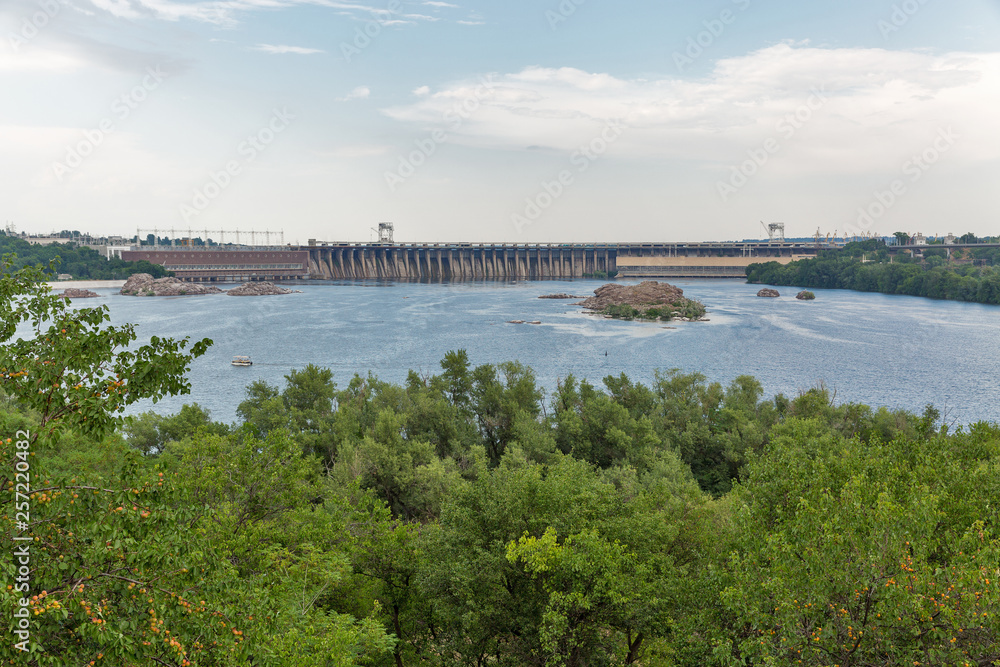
143,284
768,293
560,296
77,293
260,289
649,300
805,295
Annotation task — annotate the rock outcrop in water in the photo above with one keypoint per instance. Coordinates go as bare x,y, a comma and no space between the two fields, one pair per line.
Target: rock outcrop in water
77,293
142,284
560,296
649,300
768,292
260,289
805,295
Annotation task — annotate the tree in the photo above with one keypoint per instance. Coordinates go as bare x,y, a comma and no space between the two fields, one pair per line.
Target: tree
76,372
457,375
497,402
857,554
536,564
112,570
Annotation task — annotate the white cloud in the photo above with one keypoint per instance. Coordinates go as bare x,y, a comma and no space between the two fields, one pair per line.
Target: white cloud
436,3
878,107
119,8
280,49
421,91
471,22
226,12
359,93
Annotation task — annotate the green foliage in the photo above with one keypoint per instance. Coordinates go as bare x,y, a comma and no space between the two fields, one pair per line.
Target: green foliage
935,278
117,575
149,432
78,261
855,553
503,584
621,311
74,370
213,563
499,394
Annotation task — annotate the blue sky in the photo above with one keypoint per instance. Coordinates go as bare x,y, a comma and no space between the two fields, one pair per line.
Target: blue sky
500,121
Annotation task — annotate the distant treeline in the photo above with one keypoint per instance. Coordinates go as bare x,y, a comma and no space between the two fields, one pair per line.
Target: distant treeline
867,267
80,262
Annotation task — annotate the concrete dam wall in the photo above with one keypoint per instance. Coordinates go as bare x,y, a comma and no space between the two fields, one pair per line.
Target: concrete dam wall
460,262
467,261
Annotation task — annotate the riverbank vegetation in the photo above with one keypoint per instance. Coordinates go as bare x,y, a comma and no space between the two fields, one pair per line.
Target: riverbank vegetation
967,275
465,518
80,262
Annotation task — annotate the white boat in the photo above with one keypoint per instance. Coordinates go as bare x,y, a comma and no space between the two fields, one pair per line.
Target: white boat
242,361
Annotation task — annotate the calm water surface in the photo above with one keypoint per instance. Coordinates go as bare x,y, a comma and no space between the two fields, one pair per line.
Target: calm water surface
870,348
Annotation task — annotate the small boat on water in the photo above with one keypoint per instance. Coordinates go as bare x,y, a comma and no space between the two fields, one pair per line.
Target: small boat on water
242,361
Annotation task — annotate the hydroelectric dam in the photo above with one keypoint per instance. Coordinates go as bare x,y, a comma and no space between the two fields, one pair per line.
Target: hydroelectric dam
541,261
468,261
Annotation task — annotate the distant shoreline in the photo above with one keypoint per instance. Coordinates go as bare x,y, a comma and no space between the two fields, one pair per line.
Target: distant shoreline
85,284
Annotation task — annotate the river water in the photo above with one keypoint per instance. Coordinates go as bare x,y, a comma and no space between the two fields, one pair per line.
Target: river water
896,351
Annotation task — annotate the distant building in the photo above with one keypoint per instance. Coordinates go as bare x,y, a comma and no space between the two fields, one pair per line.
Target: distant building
116,250
950,239
919,239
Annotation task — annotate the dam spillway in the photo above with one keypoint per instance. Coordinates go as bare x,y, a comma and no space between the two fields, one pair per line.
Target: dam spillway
491,261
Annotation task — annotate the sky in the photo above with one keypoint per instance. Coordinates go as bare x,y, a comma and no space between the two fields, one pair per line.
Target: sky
500,121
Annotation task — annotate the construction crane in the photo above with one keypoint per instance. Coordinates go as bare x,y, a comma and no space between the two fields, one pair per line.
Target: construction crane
384,232
775,231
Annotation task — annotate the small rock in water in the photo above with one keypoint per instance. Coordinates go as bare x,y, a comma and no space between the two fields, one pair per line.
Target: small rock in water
768,292
77,293
260,289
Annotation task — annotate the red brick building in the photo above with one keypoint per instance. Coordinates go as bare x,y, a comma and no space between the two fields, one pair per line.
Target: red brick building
212,264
